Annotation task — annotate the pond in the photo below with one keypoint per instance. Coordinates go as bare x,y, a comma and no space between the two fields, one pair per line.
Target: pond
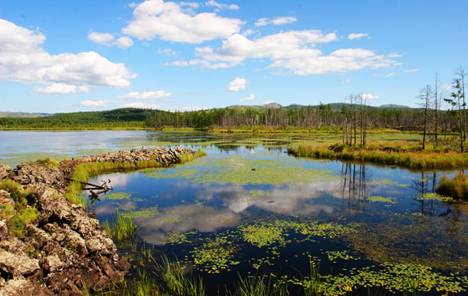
249,209
252,211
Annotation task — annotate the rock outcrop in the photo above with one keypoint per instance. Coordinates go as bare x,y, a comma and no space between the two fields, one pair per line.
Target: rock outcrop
64,249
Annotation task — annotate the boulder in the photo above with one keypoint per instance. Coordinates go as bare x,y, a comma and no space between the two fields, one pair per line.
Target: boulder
3,230
17,265
4,171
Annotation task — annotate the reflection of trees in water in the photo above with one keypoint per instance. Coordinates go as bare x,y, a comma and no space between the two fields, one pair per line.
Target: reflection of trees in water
353,181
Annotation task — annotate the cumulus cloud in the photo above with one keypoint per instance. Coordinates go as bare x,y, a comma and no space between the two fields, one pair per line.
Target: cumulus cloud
166,20
220,6
61,88
294,51
237,84
250,97
107,39
101,38
281,20
369,96
354,36
124,42
147,95
92,103
23,59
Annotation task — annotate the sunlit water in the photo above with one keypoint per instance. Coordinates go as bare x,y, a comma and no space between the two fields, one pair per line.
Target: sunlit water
185,210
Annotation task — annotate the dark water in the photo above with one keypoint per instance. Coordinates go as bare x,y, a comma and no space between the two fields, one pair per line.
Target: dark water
394,215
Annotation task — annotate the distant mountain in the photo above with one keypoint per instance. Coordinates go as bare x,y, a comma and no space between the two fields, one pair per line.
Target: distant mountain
23,114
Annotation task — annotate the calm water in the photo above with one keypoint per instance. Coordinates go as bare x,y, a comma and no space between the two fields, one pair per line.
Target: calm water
248,208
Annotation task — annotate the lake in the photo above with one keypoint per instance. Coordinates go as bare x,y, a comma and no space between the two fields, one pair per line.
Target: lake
249,209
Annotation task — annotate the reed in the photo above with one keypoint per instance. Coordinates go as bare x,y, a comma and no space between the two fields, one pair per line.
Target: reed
402,157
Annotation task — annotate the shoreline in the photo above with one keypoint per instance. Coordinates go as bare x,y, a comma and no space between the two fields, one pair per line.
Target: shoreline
48,242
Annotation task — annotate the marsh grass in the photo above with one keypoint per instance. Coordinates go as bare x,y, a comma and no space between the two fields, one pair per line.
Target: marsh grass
259,286
456,188
124,228
22,212
403,157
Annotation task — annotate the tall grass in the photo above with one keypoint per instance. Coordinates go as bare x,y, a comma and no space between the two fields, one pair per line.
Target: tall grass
405,158
457,187
124,228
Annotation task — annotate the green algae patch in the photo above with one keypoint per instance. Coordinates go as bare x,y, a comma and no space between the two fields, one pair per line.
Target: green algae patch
215,256
177,238
436,196
381,199
241,170
334,256
262,235
118,195
398,279
142,213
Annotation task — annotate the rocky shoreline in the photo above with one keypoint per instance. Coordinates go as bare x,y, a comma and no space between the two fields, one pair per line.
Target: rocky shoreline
63,251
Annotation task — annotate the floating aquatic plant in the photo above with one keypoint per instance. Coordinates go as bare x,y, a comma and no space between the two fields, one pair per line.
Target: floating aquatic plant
215,255
381,199
333,256
262,235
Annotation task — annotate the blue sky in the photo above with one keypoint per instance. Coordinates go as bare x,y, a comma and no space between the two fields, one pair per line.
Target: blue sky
61,56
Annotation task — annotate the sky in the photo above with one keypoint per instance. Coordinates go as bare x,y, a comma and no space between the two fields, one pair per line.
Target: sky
66,56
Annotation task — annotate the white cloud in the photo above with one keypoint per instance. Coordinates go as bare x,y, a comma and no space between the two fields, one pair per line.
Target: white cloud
354,36
166,52
101,38
411,70
140,105
23,59
217,5
92,103
124,42
192,5
369,96
147,95
250,97
237,84
294,51
281,20
166,20
61,88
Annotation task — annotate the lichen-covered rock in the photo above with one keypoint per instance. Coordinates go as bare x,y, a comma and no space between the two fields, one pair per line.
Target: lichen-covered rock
5,198
64,248
3,230
16,265
4,171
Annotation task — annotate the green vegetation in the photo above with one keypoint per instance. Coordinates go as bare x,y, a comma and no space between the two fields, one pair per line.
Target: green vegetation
262,235
387,156
215,256
436,196
259,286
382,199
456,188
118,195
333,256
22,212
239,170
123,229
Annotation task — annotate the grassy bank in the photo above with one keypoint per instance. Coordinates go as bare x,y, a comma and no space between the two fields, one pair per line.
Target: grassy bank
456,188
387,155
